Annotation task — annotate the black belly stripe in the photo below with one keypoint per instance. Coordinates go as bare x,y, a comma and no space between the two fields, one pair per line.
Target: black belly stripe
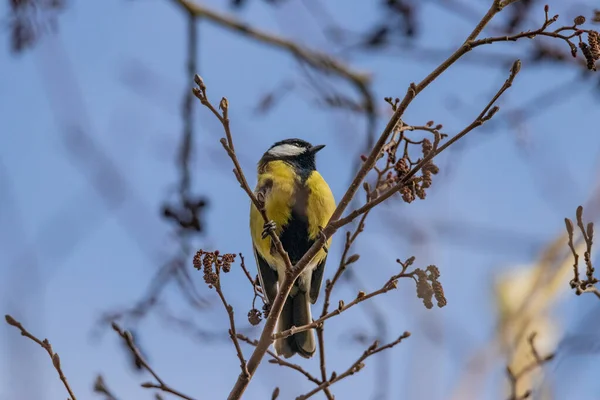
294,236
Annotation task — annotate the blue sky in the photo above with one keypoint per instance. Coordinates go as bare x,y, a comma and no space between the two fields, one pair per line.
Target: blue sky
70,250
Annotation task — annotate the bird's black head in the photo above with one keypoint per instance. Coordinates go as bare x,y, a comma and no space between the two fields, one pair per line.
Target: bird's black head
296,152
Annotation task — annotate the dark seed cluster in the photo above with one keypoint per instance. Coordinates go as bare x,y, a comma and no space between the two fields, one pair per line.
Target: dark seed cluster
254,316
429,287
591,49
212,263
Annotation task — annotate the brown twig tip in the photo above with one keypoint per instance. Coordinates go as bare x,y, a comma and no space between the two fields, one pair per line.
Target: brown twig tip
275,394
116,328
200,82
569,226
491,113
11,321
224,104
352,259
392,102
516,67
587,285
45,344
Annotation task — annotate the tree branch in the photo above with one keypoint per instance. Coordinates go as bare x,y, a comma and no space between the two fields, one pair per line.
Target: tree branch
161,385
487,113
587,285
316,59
389,285
275,359
355,367
46,346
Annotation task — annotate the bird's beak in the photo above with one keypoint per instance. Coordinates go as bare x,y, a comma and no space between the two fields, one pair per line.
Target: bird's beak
315,149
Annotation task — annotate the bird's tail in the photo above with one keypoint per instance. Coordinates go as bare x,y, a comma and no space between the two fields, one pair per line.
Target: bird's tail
296,312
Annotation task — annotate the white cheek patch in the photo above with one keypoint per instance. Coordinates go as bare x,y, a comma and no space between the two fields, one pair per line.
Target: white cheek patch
286,150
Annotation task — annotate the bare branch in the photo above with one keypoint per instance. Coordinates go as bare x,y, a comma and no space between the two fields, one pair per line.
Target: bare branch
485,115
275,359
316,59
223,117
355,367
389,285
587,285
160,384
46,346
212,263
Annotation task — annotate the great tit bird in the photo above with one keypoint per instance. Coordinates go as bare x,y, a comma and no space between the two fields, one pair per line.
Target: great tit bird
298,203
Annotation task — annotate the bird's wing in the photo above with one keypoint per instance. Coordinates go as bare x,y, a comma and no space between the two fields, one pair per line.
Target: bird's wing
316,280
267,277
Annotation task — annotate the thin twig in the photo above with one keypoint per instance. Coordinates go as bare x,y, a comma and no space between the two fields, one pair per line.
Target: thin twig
254,282
46,346
275,359
344,262
232,330
390,284
487,113
223,117
586,285
355,367
161,385
316,59
322,362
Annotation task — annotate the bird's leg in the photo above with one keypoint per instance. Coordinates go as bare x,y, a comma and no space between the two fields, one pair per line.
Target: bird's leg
268,228
322,235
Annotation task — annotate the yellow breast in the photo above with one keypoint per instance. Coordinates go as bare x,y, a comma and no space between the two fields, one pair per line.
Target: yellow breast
279,201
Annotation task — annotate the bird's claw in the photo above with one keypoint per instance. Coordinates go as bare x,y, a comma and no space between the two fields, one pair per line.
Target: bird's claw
268,228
